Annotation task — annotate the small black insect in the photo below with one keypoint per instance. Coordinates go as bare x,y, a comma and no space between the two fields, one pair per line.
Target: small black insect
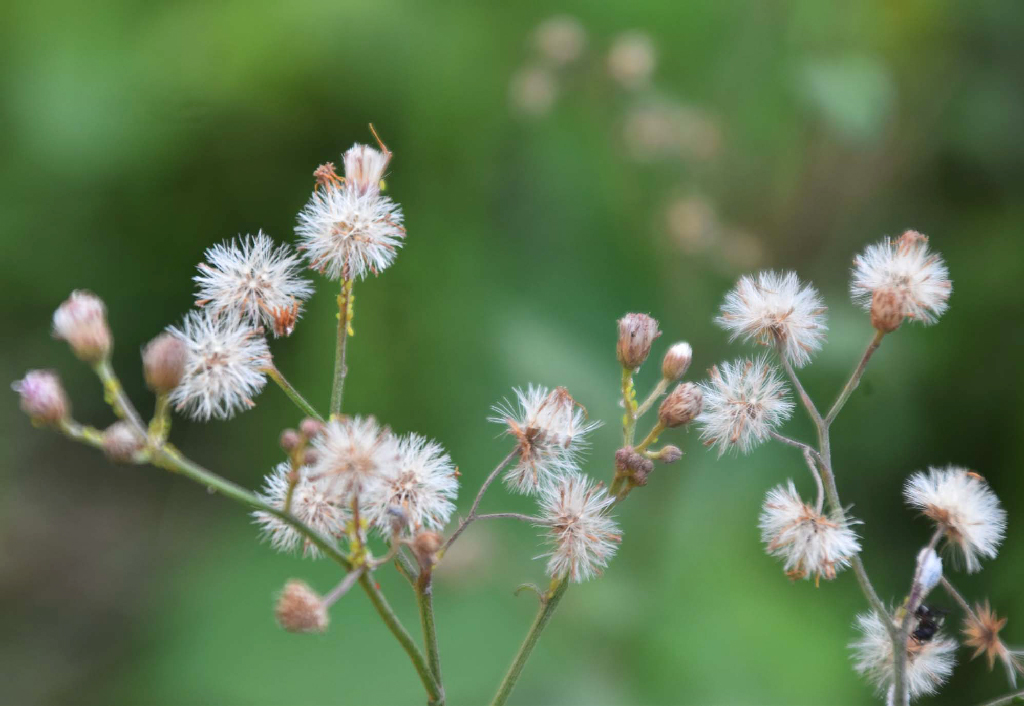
929,620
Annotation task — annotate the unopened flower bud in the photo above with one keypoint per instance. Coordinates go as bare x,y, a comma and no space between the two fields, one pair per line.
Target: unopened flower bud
668,454
310,456
628,462
676,361
311,428
636,334
121,442
887,307
425,546
931,569
681,406
290,439
163,362
42,396
300,609
82,321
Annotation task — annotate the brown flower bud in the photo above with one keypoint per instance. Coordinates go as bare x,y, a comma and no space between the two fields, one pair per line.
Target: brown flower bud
300,609
681,406
676,361
669,454
425,546
311,428
636,334
42,396
290,439
82,321
163,361
629,462
121,442
887,307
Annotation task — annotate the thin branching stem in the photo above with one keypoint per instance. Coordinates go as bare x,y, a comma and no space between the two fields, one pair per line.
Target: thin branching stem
115,396
657,392
344,321
1005,699
425,601
343,586
510,516
958,597
292,393
476,503
854,381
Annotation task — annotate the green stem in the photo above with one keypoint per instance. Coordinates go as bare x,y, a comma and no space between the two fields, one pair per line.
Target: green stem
340,369
547,609
115,396
425,601
292,393
1005,699
435,697
854,381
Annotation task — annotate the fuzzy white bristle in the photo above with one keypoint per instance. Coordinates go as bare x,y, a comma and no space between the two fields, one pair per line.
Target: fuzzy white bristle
906,266
313,503
583,538
353,456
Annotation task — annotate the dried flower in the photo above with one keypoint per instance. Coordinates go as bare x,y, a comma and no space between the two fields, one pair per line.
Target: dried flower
82,321
808,542
163,362
634,465
887,307
422,484
364,168
300,608
775,310
676,361
224,366
636,334
353,457
928,665
743,403
252,279
917,277
42,396
981,632
347,232
121,441
681,406
961,503
631,60
313,502
550,430
560,39
583,537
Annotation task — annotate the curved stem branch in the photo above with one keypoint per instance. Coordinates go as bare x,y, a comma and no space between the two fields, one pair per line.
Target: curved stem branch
1005,699
854,381
476,503
425,601
508,515
340,368
115,396
292,393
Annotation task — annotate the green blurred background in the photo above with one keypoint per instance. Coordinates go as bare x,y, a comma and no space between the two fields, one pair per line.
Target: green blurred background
134,135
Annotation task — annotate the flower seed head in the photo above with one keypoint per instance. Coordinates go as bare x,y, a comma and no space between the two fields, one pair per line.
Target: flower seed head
905,266
313,501
583,538
364,168
636,334
300,608
981,632
223,367
682,405
676,361
121,442
42,397
163,362
82,321
353,456
887,306
961,503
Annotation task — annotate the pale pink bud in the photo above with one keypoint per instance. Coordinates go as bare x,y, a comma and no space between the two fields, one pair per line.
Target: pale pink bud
681,406
82,321
42,396
121,441
676,361
163,362
636,334
300,609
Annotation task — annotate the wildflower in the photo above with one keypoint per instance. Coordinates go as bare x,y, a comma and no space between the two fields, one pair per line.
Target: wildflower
928,665
981,632
808,542
422,484
964,507
743,403
252,279
353,457
300,608
583,537
364,168
676,361
636,334
121,441
681,406
913,278
775,310
223,368
42,397
533,91
82,321
560,39
350,230
313,502
163,362
631,60
550,430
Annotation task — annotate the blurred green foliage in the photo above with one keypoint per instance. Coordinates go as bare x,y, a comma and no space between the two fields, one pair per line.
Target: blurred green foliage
134,135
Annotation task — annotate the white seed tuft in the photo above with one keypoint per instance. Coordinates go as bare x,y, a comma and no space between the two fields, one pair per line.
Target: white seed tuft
583,538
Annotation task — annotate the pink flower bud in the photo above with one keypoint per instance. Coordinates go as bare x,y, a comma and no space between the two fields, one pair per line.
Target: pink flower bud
636,334
300,609
163,361
42,396
82,321
676,361
681,406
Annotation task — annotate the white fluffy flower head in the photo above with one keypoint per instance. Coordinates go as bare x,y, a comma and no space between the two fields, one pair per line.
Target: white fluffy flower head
419,489
929,664
583,538
313,502
348,229
774,309
961,503
550,430
906,267
744,401
808,542
252,279
224,366
353,456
